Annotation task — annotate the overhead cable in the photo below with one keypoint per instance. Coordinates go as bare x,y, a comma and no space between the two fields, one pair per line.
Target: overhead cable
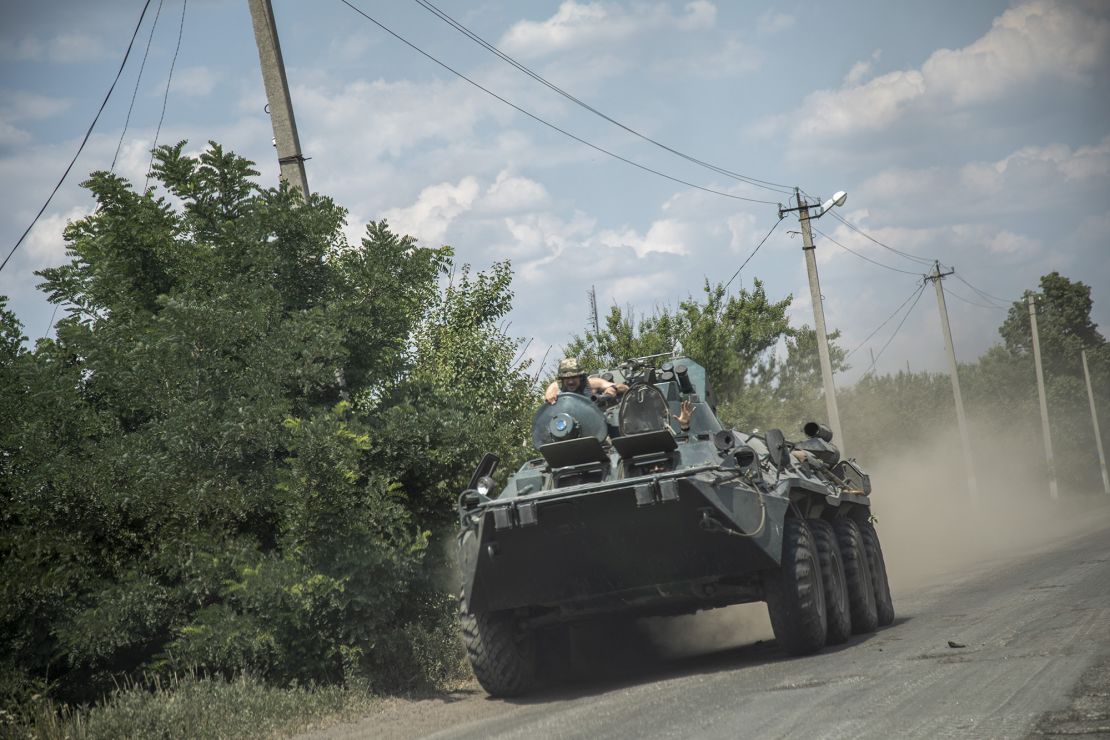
950,292
863,256
138,79
757,246
166,96
981,293
885,321
874,362
84,141
552,126
887,247
431,8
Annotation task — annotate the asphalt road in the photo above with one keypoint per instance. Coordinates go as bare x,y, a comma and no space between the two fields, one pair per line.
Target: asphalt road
1012,645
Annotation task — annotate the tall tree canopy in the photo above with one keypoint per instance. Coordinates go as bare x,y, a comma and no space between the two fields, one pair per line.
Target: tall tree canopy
1064,323
242,441
731,335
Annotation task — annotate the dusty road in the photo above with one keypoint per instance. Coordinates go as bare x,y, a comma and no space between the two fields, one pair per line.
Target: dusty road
1030,625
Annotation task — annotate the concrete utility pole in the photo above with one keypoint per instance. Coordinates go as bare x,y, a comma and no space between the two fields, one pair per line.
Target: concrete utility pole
1052,489
1094,421
961,419
277,93
819,321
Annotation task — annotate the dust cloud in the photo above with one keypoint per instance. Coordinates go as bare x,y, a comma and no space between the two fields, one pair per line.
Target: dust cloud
931,529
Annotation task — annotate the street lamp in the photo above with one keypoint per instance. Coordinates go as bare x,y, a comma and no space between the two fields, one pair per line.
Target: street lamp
818,310
838,199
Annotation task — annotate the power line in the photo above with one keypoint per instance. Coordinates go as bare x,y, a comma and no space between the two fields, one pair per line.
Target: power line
552,126
757,246
864,257
431,8
138,79
52,315
981,293
166,96
864,234
915,258
874,362
83,141
885,322
949,291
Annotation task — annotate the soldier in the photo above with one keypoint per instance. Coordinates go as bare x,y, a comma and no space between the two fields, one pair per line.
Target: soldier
572,379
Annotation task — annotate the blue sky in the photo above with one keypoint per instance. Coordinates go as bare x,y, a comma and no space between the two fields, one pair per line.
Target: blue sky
973,133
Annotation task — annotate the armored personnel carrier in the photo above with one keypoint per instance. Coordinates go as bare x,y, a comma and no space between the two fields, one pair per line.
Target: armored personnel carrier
626,513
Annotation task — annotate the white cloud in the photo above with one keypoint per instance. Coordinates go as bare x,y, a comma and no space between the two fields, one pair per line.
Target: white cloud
772,21
700,14
541,240
64,48
666,235
861,70
510,194
1041,41
1008,243
21,105
24,106
873,105
27,48
376,118
45,245
69,48
577,24
195,81
11,136
731,57
1026,180
742,228
352,47
438,205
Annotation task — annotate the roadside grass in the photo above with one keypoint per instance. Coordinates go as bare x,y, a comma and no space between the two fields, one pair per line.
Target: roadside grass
192,706
195,707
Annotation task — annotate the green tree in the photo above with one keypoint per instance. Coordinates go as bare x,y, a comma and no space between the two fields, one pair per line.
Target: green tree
1065,329
787,392
1064,323
221,460
731,335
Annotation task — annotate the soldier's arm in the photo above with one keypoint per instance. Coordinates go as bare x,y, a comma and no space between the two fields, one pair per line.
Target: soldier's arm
552,392
601,385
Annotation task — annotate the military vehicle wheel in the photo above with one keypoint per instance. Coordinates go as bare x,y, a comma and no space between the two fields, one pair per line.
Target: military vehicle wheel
837,613
884,605
795,593
502,655
861,594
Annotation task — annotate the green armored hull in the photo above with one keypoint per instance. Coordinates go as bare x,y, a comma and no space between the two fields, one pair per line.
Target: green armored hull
626,512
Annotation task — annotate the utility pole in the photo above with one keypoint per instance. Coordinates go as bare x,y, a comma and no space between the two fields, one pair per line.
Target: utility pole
277,93
961,419
1094,420
819,321
1052,489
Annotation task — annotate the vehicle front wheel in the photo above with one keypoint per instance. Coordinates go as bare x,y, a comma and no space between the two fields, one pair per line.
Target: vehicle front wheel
502,654
795,592
837,613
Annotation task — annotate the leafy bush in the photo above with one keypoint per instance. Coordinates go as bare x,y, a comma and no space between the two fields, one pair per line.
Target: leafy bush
234,456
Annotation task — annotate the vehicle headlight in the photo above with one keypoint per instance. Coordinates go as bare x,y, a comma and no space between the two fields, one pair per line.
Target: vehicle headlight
485,486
